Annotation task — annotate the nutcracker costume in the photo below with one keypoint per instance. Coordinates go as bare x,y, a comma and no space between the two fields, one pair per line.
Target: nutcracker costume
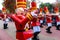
41,17
48,20
58,22
36,26
6,20
20,22
56,10
49,23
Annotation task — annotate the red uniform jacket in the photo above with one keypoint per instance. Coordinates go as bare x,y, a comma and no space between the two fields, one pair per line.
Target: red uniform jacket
41,18
57,19
34,22
2,15
49,19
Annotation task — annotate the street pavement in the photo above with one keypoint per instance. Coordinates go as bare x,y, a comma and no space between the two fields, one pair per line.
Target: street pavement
10,33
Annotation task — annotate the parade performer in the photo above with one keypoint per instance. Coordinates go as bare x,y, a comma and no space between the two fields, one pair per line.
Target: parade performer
56,10
6,20
49,23
41,17
20,22
36,26
4,17
48,20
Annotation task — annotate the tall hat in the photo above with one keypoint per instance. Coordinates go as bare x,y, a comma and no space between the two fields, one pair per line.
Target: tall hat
56,9
4,10
41,10
33,5
21,3
46,9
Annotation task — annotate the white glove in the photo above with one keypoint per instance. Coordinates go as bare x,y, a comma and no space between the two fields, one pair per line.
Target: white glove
33,14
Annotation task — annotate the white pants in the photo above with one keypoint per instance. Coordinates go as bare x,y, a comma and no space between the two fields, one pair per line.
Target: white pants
58,23
41,21
49,24
29,39
36,29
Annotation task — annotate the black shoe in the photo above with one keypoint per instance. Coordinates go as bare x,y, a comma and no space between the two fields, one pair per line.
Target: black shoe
6,28
41,26
35,39
46,29
57,29
48,32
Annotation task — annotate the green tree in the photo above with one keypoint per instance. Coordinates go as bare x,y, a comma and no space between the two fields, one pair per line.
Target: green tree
10,5
41,5
46,4
28,4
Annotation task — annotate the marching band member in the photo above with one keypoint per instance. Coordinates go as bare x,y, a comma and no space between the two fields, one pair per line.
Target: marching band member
49,23
20,22
48,20
41,17
36,26
56,10
5,21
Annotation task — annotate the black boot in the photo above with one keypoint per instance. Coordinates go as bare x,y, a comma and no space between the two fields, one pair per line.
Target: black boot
41,25
57,27
35,36
48,30
5,26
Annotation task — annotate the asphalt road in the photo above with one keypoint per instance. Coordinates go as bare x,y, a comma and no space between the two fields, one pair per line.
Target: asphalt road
10,33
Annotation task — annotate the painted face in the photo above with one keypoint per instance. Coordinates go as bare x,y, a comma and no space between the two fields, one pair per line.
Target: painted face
19,11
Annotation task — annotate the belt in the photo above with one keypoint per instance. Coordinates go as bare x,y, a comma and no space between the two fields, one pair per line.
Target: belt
20,30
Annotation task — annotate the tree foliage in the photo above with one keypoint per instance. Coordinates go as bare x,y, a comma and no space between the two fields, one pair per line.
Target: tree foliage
46,4
10,5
